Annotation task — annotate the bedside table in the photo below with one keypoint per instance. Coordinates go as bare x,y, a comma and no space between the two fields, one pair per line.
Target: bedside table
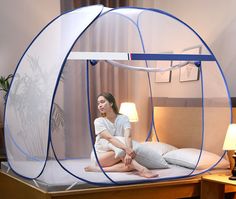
214,186
2,145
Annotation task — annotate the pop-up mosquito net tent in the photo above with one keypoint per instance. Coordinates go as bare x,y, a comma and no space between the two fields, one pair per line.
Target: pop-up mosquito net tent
144,56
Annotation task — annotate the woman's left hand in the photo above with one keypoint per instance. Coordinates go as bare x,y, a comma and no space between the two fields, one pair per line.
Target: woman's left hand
130,152
127,159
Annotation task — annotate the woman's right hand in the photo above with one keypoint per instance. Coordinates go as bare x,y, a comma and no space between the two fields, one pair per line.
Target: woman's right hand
130,152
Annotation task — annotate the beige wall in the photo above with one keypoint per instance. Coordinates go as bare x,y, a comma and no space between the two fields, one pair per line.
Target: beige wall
215,22
20,21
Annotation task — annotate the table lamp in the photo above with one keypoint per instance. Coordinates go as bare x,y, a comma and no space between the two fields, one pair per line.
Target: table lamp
129,109
230,144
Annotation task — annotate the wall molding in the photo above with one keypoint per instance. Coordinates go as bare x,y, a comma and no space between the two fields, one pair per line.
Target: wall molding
192,102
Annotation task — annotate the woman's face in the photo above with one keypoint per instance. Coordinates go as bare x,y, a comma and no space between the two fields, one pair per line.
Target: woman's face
103,105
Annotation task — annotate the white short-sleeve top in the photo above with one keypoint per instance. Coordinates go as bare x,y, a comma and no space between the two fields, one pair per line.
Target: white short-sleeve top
116,129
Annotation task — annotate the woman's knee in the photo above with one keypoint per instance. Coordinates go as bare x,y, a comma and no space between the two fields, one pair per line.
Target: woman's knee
108,159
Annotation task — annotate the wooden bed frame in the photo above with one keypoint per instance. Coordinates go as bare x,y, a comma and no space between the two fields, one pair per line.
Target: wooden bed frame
12,187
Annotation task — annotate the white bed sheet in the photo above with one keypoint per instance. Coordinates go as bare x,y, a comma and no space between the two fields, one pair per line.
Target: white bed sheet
54,177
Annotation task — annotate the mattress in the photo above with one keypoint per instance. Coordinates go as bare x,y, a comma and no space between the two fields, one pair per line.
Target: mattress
55,178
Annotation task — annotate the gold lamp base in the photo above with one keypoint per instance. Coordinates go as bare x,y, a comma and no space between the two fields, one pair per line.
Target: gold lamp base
232,177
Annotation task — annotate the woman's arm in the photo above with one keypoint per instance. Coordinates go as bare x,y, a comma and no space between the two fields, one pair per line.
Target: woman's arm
107,136
128,139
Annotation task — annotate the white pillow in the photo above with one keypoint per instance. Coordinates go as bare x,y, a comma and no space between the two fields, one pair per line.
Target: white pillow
145,156
160,147
188,157
149,158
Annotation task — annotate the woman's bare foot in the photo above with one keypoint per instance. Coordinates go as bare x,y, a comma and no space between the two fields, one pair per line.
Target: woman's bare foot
148,174
92,168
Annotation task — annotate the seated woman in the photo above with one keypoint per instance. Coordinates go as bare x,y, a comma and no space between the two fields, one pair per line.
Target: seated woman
108,126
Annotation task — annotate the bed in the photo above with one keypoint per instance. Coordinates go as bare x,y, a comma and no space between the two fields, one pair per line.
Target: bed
45,188
54,178
181,188
56,183
178,188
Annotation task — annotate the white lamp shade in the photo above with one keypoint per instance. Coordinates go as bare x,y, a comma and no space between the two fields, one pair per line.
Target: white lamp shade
230,138
129,109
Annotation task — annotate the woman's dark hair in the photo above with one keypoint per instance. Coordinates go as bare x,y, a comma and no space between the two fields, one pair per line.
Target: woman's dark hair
109,97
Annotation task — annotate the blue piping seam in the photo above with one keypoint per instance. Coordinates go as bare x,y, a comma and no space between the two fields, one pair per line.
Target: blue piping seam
152,125
62,67
203,119
52,101
89,118
187,26
5,107
58,79
211,57
129,55
208,58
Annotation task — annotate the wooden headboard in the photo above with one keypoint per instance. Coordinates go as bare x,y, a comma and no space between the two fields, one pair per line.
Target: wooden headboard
234,114
170,122
181,125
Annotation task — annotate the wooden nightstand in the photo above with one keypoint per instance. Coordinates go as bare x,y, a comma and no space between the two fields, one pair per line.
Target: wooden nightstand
2,145
214,186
